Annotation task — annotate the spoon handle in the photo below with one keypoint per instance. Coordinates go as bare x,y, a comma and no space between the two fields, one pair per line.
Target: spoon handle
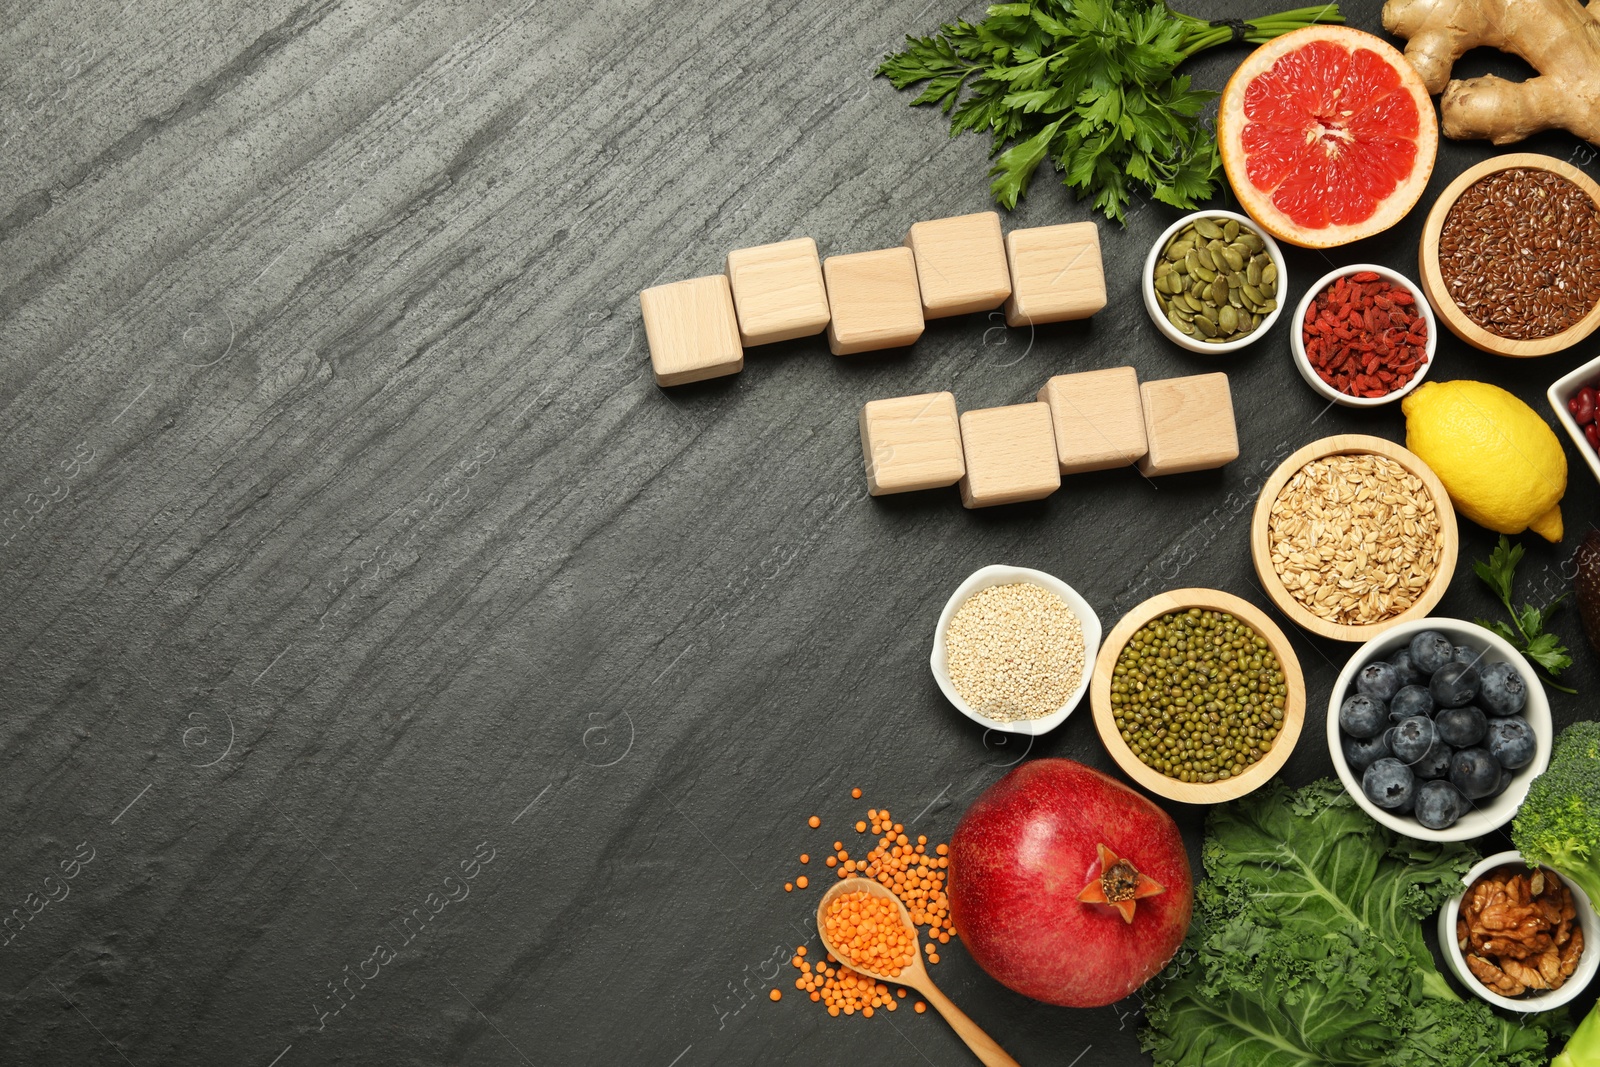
979,1042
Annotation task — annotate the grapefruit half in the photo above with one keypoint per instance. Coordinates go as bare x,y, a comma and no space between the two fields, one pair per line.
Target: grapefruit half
1327,136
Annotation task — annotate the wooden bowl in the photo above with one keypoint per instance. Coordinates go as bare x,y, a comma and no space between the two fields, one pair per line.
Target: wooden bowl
1261,549
1433,279
1294,707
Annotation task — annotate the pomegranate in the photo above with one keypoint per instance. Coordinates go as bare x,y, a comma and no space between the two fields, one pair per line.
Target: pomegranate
1067,886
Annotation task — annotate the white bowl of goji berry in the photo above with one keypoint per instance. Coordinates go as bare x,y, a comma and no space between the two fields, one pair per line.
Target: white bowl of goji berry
1364,336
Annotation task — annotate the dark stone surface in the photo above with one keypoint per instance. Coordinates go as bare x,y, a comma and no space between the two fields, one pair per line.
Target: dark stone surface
349,531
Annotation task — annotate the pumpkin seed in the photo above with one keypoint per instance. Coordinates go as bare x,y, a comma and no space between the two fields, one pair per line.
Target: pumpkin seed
1269,274
1210,281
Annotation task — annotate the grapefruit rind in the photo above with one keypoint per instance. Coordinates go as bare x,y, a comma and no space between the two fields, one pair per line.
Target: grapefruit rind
1309,166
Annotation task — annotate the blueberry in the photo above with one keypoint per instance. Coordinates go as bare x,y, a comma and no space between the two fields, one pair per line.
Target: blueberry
1431,650
1411,700
1505,780
1362,716
1504,691
1439,805
1475,772
1362,752
1453,685
1412,738
1379,680
1409,675
1389,784
1511,742
1435,763
1462,727
1467,656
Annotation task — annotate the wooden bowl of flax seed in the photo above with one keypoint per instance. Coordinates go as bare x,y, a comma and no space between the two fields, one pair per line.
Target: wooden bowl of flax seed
1352,535
1510,255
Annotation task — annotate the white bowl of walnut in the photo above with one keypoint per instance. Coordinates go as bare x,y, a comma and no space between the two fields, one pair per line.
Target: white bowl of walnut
1495,972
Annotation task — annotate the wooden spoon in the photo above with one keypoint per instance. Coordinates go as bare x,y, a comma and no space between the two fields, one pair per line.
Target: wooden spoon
914,976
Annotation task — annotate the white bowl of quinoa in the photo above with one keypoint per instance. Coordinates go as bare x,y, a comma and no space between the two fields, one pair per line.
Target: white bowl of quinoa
1014,649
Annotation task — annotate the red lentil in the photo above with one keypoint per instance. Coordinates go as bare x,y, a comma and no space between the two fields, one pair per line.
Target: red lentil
915,871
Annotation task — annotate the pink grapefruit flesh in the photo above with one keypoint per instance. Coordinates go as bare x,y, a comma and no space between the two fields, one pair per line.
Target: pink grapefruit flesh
1327,136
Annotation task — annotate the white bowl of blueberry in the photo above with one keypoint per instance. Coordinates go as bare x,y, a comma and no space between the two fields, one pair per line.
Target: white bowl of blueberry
1437,727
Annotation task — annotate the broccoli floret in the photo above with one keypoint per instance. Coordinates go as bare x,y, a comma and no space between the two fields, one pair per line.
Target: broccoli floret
1559,824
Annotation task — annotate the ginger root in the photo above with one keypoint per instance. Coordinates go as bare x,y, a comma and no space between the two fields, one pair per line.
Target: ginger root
1559,38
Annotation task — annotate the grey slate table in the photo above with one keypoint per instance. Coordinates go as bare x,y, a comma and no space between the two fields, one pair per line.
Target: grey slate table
367,611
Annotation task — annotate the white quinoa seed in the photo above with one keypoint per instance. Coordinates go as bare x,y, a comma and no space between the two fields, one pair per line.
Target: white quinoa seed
1015,652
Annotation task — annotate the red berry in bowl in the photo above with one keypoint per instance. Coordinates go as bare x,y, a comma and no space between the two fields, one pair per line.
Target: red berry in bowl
1582,405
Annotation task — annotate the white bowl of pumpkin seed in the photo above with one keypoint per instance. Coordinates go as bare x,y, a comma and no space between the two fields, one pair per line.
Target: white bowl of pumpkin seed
1213,282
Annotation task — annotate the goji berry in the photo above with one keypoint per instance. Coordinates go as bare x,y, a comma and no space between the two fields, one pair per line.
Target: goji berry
1363,337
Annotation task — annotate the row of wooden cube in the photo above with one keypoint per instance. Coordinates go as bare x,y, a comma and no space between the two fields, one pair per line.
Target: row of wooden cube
866,301
1094,420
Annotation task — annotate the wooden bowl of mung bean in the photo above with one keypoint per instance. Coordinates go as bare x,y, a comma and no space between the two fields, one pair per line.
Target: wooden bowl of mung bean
1208,702
1510,255
1353,534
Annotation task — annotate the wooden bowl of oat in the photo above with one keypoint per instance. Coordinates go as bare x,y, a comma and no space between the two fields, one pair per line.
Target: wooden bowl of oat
1353,534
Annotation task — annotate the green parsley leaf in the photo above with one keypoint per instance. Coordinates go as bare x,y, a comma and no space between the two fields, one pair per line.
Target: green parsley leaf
1527,632
1547,653
1087,84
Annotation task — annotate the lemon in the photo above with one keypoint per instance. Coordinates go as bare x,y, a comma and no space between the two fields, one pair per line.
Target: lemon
1500,462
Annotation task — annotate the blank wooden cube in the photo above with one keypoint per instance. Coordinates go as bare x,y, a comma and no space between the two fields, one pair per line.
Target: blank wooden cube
911,442
1010,453
1055,273
778,291
1188,423
961,264
1098,419
692,330
873,299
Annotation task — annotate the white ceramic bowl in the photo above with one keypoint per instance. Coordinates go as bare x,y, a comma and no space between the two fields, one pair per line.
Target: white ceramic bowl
1485,815
1148,284
1000,575
1588,960
1563,390
1297,339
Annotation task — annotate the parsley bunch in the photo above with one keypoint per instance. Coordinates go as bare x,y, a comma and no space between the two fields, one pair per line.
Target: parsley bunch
1530,637
1088,84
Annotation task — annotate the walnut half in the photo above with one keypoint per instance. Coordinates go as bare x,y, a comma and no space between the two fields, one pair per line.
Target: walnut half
1518,931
